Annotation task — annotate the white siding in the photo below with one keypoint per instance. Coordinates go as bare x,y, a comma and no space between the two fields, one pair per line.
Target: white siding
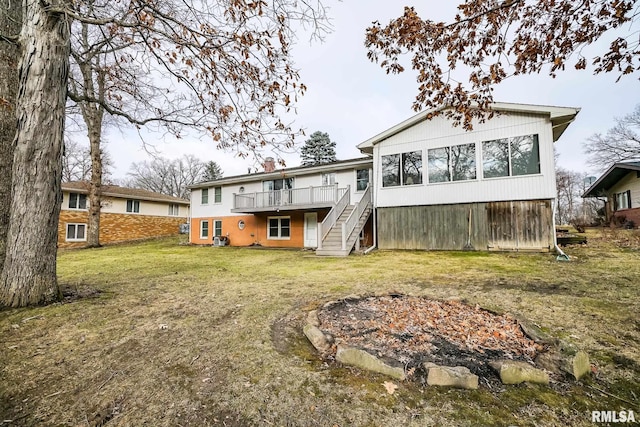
629,182
119,205
440,133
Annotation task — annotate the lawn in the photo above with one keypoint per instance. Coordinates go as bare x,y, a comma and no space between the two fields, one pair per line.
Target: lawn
165,334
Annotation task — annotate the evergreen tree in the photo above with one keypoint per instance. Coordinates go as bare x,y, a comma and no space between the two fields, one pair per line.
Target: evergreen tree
318,150
212,171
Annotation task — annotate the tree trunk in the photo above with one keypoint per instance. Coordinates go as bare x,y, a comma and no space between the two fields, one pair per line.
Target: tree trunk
95,189
10,22
29,274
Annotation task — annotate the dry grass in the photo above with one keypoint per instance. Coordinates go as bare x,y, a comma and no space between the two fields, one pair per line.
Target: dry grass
232,353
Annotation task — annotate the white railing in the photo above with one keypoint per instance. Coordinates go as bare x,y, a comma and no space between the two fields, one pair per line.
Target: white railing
333,215
323,195
354,218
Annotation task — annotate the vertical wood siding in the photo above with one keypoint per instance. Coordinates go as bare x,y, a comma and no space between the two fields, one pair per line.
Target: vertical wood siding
524,225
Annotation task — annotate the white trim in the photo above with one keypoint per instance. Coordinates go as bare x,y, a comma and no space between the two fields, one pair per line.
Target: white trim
214,228
279,218
202,222
75,239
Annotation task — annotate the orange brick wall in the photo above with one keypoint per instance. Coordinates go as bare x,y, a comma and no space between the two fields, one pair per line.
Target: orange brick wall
116,228
255,230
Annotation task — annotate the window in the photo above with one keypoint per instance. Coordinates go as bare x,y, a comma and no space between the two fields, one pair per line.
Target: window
279,227
511,156
174,209
277,184
77,201
204,196
217,195
217,228
329,178
362,179
204,229
76,232
241,225
622,201
405,168
133,206
455,163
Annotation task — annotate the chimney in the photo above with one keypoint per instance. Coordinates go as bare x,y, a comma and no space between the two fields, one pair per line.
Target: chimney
269,164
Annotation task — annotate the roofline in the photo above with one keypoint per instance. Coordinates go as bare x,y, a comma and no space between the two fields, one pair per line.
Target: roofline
294,171
620,165
129,196
560,116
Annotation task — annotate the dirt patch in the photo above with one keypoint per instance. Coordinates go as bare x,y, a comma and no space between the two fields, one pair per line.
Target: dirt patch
410,330
74,293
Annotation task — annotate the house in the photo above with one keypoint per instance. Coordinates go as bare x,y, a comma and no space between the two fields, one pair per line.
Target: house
287,207
620,185
126,214
423,185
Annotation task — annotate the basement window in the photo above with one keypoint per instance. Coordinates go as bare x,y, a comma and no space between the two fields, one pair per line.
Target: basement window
76,233
279,227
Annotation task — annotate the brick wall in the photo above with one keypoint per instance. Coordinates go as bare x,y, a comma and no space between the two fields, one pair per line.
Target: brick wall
632,214
116,228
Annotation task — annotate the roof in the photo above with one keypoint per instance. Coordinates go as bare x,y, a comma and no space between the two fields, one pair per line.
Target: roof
560,118
289,172
123,192
614,174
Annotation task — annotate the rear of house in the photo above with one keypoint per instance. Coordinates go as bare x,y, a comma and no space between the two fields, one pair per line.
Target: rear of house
126,214
620,187
440,187
278,208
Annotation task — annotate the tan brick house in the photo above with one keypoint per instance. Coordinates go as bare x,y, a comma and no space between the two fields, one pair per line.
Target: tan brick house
126,214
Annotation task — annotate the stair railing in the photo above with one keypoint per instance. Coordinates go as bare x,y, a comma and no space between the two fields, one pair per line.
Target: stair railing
354,218
333,215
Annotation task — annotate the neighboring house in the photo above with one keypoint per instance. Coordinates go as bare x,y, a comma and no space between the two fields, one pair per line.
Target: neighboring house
286,208
126,214
620,185
432,186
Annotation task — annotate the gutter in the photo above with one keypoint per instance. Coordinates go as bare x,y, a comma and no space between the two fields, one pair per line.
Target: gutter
561,255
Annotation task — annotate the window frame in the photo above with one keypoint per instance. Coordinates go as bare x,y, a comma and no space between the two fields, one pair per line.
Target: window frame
174,209
359,180
78,197
510,156
450,171
217,222
618,197
329,178
204,196
204,227
217,195
135,206
398,165
279,236
75,238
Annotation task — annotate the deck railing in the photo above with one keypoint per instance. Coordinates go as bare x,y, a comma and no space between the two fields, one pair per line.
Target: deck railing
326,195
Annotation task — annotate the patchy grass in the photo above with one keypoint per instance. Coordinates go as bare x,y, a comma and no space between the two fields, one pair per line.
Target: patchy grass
168,335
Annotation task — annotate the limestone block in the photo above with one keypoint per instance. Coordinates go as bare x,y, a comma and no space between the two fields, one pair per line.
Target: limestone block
451,376
312,318
516,372
316,337
362,359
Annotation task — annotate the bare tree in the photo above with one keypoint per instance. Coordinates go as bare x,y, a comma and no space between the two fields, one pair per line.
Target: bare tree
496,39
76,162
223,68
29,271
571,207
620,143
166,176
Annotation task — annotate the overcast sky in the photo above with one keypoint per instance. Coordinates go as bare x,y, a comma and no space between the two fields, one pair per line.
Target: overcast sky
352,99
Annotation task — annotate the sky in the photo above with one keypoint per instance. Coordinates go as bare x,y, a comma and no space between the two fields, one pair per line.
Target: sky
353,99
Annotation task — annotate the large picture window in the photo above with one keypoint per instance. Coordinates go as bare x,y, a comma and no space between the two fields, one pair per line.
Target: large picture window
402,169
515,156
279,227
455,163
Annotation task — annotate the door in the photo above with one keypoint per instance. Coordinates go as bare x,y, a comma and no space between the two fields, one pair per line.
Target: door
311,230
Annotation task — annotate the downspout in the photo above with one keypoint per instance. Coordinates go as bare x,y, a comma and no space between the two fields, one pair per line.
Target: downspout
561,255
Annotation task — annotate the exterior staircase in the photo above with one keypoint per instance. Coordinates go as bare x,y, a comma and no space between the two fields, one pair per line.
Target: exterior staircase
345,233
